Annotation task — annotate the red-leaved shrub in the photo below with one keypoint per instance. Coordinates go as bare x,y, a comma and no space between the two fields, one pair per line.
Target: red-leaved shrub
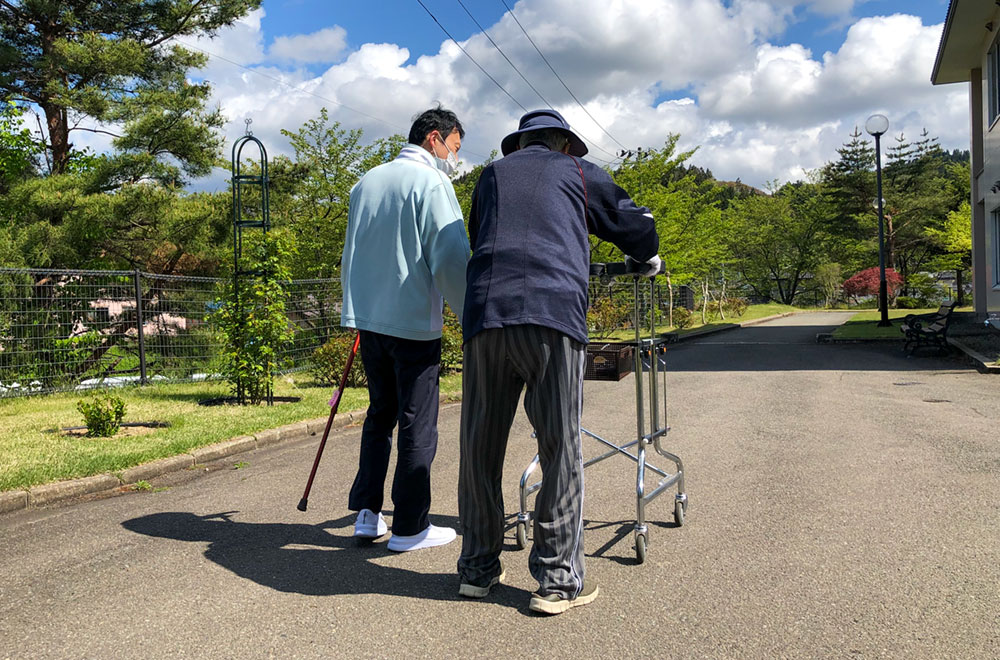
865,282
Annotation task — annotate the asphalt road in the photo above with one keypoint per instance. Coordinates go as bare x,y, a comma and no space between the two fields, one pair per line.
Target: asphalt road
843,503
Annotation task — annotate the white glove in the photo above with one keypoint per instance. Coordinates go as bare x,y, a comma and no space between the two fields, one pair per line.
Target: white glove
650,268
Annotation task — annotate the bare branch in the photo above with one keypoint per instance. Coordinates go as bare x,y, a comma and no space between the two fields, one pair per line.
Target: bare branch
93,130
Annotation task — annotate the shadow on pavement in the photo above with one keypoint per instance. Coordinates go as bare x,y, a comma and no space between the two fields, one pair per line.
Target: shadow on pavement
623,539
308,559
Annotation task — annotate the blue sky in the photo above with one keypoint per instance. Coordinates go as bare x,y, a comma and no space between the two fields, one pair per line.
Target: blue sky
764,90
405,21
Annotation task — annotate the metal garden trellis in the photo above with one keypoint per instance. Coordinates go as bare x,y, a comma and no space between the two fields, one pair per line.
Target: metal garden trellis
262,222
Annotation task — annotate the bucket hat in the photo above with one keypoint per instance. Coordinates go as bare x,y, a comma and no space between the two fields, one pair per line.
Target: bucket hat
538,119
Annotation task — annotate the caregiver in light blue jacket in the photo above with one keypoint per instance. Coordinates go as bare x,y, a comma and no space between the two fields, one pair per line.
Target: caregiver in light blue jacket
405,246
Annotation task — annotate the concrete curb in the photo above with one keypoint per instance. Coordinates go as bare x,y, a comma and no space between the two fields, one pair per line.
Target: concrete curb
64,490
977,359
51,493
701,332
13,500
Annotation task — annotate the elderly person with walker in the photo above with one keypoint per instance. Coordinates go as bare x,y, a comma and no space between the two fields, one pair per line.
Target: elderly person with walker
525,328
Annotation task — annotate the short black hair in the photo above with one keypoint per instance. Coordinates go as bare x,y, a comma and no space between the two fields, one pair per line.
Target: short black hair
435,119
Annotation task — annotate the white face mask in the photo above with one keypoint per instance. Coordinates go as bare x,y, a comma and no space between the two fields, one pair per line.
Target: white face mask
447,165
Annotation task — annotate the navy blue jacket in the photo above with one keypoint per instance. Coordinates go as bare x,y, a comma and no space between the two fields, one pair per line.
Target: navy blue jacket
530,251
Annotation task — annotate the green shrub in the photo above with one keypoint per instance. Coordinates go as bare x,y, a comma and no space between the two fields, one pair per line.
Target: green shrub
925,288
102,413
908,302
329,360
451,342
252,318
607,315
682,317
736,306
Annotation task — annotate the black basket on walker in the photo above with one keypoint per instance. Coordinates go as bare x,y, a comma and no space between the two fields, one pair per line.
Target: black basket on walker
611,361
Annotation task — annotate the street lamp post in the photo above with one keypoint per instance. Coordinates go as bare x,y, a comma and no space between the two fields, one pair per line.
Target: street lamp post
876,126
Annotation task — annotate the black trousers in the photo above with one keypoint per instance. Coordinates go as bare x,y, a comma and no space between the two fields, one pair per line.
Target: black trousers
403,376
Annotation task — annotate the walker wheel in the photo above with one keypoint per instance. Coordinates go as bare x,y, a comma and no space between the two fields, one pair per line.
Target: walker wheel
522,536
679,512
640,548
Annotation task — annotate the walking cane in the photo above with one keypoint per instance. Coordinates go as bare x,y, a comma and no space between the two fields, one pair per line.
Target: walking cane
334,404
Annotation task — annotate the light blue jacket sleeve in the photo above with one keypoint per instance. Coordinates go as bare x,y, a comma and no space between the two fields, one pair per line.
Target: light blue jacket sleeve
446,246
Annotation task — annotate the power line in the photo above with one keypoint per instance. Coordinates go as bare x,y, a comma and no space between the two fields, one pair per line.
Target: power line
420,2
511,12
513,66
396,127
487,35
501,87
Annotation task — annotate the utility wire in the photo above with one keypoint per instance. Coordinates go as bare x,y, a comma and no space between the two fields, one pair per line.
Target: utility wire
455,41
502,89
487,35
511,12
518,71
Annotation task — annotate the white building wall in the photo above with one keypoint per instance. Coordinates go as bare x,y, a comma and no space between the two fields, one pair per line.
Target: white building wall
986,184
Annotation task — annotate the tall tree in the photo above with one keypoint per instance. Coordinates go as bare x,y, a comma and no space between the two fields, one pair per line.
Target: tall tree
312,192
17,147
919,190
850,188
953,240
776,240
684,207
119,64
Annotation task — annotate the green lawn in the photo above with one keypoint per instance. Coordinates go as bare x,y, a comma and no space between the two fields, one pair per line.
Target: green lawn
864,325
753,312
30,454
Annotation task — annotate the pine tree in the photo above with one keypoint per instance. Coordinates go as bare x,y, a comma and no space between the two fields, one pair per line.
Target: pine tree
850,187
119,64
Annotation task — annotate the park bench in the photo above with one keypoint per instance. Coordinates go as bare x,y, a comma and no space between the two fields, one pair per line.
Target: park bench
928,329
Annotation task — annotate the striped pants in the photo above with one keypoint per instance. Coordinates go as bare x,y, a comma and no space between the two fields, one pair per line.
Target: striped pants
499,364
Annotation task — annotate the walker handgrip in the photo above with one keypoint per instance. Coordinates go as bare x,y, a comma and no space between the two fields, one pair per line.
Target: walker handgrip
611,269
617,268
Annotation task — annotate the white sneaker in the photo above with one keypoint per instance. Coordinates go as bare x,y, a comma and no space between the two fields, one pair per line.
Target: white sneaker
369,526
430,537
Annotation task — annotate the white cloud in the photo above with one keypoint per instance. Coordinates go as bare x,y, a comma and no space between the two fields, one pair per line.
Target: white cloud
242,42
326,45
755,110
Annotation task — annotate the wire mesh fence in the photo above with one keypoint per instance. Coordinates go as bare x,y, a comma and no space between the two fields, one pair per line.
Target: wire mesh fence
81,329
75,329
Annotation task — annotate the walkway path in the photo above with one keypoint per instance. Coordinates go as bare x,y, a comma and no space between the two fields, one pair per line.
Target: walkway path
844,503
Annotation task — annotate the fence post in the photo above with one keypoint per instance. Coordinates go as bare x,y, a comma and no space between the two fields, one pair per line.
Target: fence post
138,319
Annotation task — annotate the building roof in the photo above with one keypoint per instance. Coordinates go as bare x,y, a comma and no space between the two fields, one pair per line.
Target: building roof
962,40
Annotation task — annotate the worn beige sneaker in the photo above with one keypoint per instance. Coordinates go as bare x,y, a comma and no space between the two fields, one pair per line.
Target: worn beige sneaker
470,590
555,604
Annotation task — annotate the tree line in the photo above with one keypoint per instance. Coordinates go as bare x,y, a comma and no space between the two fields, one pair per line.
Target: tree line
121,70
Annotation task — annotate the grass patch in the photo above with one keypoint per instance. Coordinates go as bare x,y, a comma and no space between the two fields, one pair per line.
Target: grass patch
864,325
753,312
31,455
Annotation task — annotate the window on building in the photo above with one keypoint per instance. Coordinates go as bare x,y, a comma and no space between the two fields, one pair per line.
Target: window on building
996,246
993,80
